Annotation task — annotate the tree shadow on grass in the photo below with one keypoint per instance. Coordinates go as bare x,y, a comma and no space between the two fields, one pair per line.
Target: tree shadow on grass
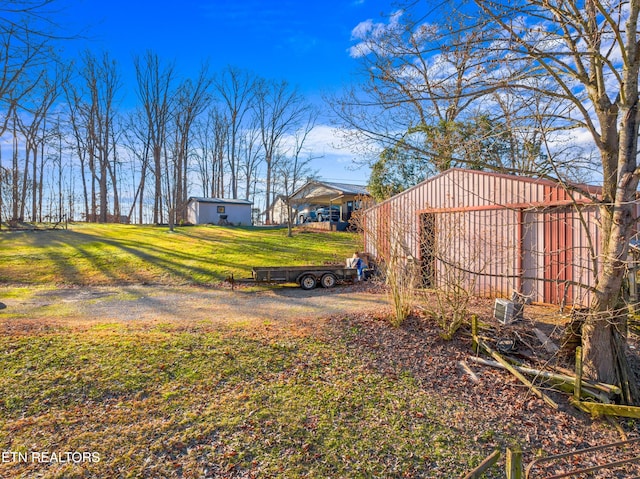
77,257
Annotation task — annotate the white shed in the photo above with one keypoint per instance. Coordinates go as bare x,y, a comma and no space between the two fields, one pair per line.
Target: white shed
219,211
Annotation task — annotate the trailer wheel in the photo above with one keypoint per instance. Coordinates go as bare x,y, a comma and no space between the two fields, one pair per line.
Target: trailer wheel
308,281
328,280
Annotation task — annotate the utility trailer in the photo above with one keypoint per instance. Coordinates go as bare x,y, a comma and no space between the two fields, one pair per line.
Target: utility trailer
308,277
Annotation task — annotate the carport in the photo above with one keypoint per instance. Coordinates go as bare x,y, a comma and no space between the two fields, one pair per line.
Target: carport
348,197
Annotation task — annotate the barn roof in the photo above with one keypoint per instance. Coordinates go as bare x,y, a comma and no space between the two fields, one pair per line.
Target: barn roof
487,180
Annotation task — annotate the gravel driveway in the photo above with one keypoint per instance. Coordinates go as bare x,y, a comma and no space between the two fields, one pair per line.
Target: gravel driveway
186,303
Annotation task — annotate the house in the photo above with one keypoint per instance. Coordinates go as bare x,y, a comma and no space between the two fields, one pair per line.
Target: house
278,211
347,197
219,211
493,234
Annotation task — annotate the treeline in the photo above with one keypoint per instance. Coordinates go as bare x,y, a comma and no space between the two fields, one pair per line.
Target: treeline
70,149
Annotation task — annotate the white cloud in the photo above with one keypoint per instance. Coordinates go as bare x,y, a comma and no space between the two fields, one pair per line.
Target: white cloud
332,161
362,29
368,33
322,140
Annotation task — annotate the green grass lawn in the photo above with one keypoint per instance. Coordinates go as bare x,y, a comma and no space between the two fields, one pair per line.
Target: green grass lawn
197,400
201,403
210,397
91,254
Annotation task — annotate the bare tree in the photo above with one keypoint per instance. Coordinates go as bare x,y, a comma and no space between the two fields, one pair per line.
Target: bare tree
220,139
211,135
25,35
552,67
35,107
428,102
203,154
251,156
4,189
29,18
94,119
294,167
192,98
15,170
544,68
135,139
57,135
587,57
237,90
80,147
419,88
280,109
155,84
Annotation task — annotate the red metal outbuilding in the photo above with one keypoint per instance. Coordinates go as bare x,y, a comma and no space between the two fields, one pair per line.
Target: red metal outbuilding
494,234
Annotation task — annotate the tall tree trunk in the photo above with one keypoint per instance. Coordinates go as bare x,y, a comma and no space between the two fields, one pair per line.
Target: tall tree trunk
60,196
15,174
113,174
157,202
267,216
604,334
94,204
34,186
25,180
41,181
85,190
102,185
143,181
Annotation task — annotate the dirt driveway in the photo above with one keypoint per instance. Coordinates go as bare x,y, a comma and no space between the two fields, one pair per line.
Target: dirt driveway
136,303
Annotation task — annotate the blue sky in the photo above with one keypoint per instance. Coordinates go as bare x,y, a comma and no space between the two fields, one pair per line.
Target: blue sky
305,43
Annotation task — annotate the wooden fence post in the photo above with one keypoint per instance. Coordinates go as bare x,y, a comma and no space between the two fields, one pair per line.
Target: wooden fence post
474,333
577,390
514,463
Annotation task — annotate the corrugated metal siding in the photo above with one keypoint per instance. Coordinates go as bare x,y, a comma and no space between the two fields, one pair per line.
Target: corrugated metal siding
586,245
503,233
532,236
478,248
558,258
558,254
